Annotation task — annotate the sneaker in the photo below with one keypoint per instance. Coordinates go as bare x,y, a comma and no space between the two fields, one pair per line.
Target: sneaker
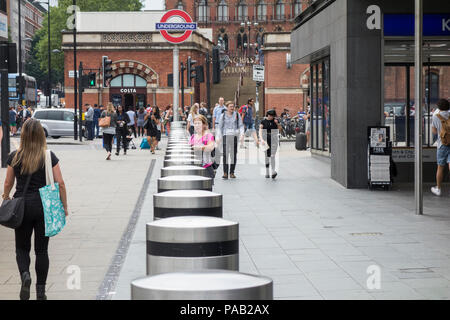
117,153
232,176
225,176
436,191
267,176
274,175
124,153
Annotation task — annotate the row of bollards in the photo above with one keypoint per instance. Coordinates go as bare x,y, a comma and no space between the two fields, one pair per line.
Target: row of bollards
192,253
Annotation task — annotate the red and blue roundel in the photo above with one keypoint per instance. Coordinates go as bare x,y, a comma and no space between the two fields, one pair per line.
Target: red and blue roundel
188,26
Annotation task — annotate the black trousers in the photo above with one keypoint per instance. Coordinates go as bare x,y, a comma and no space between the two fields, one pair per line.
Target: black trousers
108,141
229,153
121,136
33,220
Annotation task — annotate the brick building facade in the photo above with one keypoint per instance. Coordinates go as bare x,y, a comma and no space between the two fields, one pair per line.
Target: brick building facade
141,63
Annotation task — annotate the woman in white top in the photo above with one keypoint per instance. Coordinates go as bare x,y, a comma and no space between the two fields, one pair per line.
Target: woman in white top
190,120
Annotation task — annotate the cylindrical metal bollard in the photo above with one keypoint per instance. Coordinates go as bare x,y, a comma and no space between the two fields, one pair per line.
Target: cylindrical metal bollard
183,171
182,162
179,148
179,152
187,203
176,156
203,285
184,183
192,243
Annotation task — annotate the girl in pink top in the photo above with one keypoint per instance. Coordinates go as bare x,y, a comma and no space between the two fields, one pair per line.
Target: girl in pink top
203,142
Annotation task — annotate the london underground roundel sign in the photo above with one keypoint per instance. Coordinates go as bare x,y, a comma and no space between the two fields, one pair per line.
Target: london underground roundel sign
187,26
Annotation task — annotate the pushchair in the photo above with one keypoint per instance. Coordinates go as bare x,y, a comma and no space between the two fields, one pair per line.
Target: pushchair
130,142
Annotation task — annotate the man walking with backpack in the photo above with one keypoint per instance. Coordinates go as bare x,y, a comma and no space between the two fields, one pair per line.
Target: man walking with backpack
441,128
229,128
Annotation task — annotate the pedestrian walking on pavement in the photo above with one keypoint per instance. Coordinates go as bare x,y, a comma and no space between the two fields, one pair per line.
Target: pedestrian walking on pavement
441,127
97,114
203,143
229,128
159,127
12,120
122,130
151,130
268,132
168,118
190,120
110,130
89,121
140,121
26,167
247,113
132,124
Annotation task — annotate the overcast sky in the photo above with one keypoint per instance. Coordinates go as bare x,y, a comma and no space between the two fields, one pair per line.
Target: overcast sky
154,5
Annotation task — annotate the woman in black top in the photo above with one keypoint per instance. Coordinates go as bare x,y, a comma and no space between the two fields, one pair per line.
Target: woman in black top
122,129
151,128
29,159
268,132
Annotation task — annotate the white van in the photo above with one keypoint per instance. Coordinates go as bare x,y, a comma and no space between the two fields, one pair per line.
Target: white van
56,122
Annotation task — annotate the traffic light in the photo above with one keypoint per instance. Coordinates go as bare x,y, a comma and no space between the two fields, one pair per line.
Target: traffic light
92,76
106,70
190,71
199,74
216,65
20,85
85,81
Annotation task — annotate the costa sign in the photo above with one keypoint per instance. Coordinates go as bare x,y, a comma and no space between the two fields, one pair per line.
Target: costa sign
188,26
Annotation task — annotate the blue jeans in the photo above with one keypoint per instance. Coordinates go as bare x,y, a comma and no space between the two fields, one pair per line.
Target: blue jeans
443,155
96,128
90,129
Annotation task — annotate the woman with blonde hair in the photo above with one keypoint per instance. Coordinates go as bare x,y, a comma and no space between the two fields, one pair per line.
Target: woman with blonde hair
109,131
203,143
190,120
27,167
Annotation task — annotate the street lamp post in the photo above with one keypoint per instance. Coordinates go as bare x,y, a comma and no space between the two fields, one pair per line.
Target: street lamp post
49,54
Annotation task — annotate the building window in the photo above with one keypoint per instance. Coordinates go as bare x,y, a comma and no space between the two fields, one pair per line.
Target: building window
222,11
261,10
297,7
432,81
320,106
239,41
202,11
128,80
180,5
242,11
279,10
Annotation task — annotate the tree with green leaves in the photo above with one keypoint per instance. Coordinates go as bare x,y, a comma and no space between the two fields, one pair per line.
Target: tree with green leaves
38,64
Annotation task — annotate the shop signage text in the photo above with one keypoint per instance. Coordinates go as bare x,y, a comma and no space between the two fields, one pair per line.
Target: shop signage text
127,90
402,25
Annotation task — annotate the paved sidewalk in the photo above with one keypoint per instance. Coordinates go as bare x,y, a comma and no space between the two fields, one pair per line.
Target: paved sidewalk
316,239
102,196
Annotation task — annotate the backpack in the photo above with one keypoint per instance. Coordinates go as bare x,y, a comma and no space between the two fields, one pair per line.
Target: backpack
444,134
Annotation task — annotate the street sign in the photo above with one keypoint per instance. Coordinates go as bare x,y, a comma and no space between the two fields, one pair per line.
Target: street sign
72,74
188,26
258,73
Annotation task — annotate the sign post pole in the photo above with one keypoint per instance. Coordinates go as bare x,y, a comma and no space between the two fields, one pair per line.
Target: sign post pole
418,172
176,81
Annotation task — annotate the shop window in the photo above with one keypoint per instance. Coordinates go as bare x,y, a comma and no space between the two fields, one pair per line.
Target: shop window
141,82
128,80
222,11
432,81
320,106
116,82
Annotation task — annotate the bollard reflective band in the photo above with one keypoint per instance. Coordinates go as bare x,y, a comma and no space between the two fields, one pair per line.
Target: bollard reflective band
176,212
185,250
194,188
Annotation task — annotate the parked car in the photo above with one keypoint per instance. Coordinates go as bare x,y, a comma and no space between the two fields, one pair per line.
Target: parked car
56,122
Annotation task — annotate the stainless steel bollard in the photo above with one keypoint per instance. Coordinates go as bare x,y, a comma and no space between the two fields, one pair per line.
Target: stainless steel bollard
176,156
203,285
184,183
179,152
182,162
187,203
183,171
192,243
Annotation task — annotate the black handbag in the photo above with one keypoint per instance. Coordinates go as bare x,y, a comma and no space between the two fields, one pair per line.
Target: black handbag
12,211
